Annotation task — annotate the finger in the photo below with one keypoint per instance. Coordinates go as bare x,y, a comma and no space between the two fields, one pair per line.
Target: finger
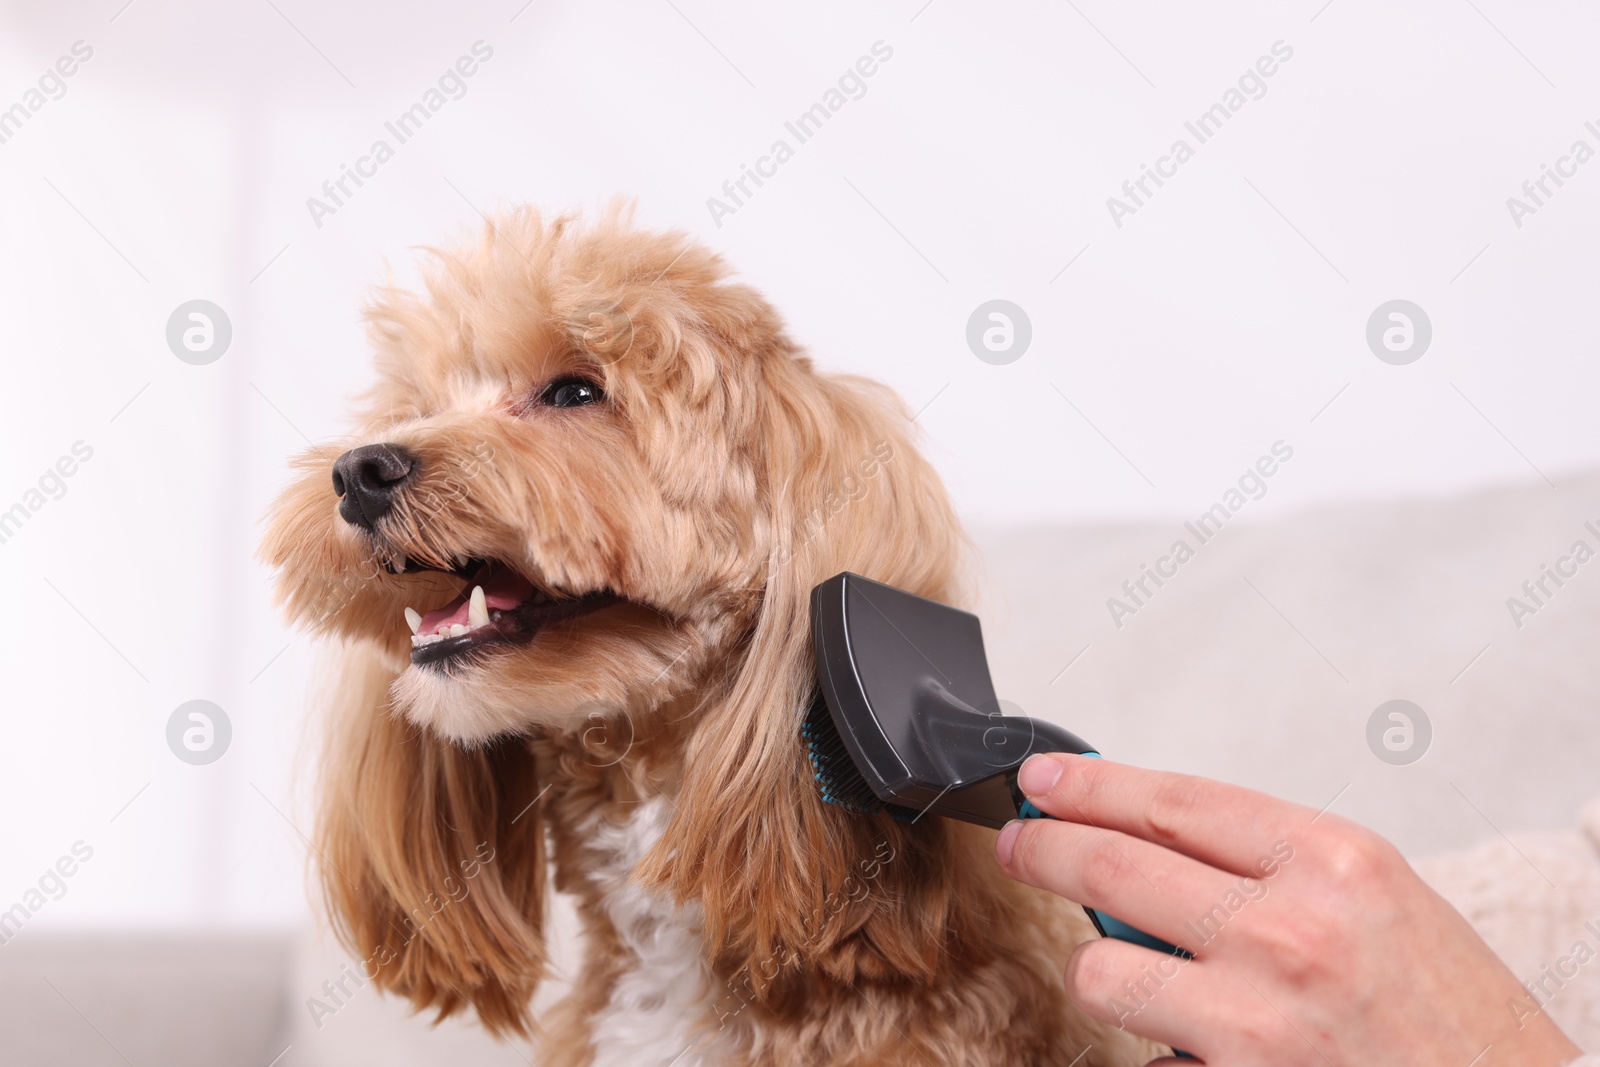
1137,989
1187,1004
1149,887
1227,826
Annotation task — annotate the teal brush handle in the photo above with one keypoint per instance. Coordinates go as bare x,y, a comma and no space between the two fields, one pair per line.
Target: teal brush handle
1110,926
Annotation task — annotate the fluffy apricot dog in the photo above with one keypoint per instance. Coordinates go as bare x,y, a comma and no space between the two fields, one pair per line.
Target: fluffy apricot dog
567,556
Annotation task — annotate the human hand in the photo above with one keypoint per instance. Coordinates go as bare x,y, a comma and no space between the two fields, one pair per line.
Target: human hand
1314,942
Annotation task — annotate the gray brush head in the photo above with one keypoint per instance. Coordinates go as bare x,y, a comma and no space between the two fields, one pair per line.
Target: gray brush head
908,695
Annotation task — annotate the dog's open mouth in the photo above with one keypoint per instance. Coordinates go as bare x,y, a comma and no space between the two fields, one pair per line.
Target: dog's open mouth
498,606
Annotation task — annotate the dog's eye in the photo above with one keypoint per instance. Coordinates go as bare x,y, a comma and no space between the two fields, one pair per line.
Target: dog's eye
571,393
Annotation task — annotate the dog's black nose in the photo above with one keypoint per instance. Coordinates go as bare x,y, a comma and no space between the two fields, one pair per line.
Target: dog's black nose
367,479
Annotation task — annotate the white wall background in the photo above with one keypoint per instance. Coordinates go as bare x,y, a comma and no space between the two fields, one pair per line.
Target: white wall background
1167,354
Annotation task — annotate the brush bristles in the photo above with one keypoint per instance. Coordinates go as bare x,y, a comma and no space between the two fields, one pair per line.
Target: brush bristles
837,777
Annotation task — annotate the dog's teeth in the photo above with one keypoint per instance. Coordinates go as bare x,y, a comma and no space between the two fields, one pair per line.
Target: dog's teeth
539,597
457,630
477,609
413,619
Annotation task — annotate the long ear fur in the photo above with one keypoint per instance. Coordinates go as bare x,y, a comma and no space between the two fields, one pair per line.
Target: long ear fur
784,879
432,857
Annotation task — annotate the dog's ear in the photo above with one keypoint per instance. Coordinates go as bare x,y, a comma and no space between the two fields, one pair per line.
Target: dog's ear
781,876
432,857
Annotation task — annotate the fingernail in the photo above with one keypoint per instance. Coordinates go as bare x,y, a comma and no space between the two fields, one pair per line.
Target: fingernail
1007,841
1039,774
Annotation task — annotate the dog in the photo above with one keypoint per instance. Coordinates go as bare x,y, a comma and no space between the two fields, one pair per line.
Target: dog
567,559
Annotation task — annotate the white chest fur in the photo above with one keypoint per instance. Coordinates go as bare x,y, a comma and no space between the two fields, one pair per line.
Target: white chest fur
661,1004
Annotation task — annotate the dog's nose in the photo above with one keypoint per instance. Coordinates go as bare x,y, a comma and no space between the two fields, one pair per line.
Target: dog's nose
367,479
